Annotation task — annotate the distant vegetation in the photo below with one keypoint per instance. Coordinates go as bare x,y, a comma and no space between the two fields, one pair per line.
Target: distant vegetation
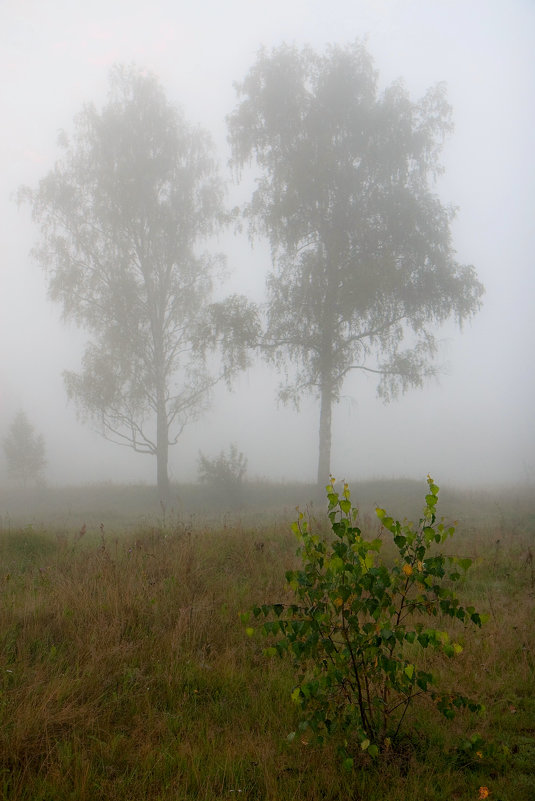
364,266
126,507
25,451
225,470
125,215
125,672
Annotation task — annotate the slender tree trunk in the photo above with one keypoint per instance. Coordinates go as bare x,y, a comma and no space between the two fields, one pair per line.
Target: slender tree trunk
324,461
328,253
162,428
326,397
162,452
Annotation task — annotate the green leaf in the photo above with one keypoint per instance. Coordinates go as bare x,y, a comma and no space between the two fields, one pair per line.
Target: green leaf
409,671
375,545
296,695
249,631
336,564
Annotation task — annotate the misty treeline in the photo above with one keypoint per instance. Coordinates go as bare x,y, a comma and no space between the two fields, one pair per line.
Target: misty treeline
363,266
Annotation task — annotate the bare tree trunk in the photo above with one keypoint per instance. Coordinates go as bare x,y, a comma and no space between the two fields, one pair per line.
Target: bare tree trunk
324,461
162,453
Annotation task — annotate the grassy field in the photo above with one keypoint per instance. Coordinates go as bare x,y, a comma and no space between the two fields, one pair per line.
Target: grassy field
125,672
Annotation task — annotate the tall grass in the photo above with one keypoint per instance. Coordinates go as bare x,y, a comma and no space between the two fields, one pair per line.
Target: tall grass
125,673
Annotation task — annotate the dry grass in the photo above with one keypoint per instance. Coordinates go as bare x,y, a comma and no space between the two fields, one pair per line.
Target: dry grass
125,673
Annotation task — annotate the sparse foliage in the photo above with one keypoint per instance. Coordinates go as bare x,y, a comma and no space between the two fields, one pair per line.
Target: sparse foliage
24,450
364,266
359,624
125,216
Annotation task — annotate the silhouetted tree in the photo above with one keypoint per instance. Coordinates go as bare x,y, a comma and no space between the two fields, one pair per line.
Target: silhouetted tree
363,260
24,450
124,215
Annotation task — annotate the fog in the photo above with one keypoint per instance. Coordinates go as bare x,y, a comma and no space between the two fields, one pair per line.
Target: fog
472,425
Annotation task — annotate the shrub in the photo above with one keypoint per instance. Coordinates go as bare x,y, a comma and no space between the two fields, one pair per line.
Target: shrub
225,471
358,624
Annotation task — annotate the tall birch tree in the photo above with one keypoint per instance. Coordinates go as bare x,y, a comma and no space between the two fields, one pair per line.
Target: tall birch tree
364,268
126,216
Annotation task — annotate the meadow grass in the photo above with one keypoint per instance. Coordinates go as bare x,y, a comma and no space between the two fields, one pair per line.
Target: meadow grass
125,672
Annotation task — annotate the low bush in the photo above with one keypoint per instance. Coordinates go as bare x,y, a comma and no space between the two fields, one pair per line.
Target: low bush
360,624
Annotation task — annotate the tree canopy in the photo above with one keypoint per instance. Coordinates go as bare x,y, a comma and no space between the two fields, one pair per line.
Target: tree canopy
363,262
125,218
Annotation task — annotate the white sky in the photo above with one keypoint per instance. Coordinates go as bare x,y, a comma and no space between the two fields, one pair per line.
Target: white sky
476,424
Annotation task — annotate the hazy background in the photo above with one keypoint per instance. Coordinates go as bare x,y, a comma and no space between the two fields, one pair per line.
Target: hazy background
476,424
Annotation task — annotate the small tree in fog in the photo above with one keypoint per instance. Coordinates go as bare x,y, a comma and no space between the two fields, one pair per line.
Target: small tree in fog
125,215
363,260
226,470
25,451
224,475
